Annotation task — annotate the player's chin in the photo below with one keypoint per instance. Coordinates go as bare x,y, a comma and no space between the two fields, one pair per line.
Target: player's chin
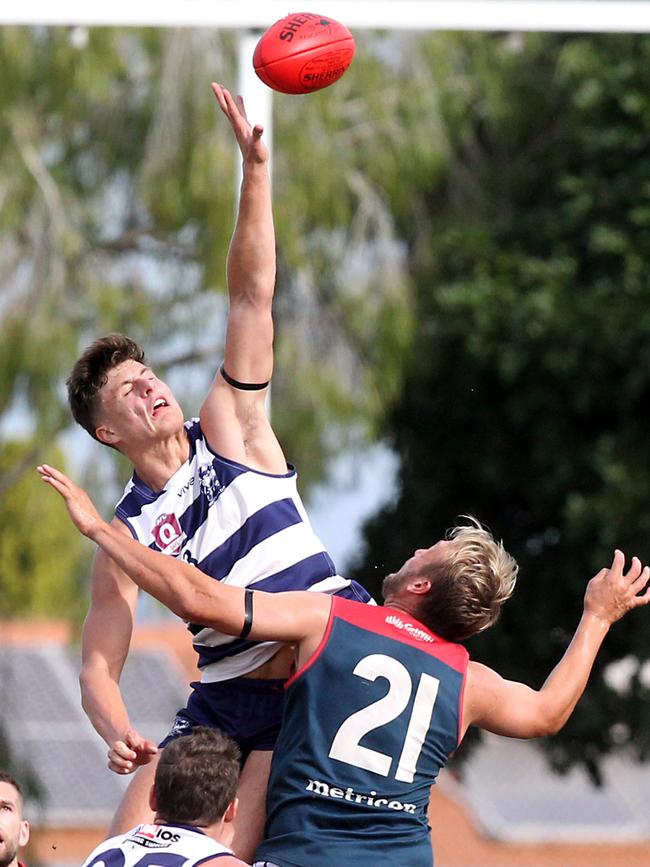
168,421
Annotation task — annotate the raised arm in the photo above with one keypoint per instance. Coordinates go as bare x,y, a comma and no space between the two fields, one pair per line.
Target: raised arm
234,419
514,709
105,644
188,592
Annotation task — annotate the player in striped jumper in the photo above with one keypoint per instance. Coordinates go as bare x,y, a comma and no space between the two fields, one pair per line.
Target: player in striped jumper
215,492
382,695
193,797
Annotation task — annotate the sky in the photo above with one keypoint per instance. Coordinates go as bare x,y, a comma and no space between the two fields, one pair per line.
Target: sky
357,487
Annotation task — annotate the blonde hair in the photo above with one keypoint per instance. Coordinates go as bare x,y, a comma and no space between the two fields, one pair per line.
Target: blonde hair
470,587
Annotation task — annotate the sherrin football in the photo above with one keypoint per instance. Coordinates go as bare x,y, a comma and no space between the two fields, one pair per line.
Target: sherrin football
303,52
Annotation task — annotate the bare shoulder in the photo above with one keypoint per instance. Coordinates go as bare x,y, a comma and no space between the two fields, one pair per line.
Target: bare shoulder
481,691
481,679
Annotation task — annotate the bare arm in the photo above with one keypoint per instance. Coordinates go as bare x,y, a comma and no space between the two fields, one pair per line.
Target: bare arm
187,591
514,709
234,420
105,644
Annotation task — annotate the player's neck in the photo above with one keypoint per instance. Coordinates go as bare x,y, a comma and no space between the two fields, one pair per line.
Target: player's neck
219,831
400,604
156,464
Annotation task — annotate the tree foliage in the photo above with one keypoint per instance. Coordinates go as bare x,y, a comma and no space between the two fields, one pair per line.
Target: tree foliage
116,206
39,558
470,212
528,386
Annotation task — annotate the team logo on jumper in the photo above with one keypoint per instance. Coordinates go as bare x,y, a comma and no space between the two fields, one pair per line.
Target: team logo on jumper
210,484
413,631
154,837
168,534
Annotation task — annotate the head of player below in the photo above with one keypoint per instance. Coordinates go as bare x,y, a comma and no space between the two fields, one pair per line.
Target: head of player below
119,400
14,830
455,588
196,782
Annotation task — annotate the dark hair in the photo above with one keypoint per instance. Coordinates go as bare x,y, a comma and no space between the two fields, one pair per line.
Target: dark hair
196,778
5,777
90,374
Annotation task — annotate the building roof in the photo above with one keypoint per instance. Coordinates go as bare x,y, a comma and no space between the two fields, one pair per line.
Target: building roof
51,740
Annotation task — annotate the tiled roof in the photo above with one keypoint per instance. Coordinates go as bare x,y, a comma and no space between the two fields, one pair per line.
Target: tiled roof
51,739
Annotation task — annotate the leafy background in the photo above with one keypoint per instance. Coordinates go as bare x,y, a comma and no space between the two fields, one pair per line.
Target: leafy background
463,237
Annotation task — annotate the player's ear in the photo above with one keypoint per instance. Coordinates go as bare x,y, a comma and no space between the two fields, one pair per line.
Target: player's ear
106,435
420,586
231,810
153,800
23,836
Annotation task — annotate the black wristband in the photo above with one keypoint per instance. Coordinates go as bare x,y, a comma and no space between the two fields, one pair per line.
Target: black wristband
245,386
248,613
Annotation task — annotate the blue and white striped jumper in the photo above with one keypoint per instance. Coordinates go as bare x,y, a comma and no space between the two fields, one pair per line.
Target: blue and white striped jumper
238,525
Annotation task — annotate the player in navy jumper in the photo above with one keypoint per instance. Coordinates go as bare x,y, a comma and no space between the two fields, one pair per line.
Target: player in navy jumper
215,491
383,695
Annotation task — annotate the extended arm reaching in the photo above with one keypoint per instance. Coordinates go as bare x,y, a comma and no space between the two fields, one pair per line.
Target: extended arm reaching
234,419
186,590
516,710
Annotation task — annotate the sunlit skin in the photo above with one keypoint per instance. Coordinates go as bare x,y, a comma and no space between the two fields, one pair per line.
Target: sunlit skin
14,830
141,417
417,565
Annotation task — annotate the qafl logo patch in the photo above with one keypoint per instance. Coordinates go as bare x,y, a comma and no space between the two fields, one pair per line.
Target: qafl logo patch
168,534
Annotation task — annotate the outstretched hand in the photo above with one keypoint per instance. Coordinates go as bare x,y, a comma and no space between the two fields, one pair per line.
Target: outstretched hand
83,513
249,138
612,592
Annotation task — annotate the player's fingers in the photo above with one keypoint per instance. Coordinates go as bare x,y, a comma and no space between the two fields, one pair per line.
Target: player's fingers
56,484
120,769
119,764
231,106
55,474
143,759
239,100
45,477
149,748
45,472
637,586
227,103
217,89
618,563
258,129
634,571
123,749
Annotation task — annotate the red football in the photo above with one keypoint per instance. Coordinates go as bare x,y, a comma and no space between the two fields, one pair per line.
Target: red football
303,52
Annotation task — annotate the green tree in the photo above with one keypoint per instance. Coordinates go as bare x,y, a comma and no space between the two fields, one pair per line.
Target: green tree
39,559
117,203
528,386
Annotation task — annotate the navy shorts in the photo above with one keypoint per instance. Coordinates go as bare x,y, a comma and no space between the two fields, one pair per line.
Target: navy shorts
245,708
